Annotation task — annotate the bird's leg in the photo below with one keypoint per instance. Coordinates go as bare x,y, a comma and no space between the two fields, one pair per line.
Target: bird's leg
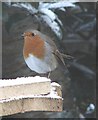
49,74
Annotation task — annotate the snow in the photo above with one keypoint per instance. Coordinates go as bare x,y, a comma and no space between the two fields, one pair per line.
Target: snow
27,6
49,13
53,25
56,5
90,108
23,80
55,84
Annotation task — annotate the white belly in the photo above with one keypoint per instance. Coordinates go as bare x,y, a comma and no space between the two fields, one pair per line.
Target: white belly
49,63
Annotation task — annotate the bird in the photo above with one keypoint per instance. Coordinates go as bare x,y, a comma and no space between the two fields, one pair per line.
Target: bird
40,52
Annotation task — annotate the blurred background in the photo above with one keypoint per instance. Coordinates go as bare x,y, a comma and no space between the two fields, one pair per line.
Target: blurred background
72,26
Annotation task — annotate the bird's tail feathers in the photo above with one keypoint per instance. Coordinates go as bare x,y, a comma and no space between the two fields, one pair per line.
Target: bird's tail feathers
61,56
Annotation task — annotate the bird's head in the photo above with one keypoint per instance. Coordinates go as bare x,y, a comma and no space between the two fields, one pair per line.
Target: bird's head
28,34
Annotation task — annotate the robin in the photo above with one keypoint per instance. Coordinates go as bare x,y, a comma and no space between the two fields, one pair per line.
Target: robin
40,52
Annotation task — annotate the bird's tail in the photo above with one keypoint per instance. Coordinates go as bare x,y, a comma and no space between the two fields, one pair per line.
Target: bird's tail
61,56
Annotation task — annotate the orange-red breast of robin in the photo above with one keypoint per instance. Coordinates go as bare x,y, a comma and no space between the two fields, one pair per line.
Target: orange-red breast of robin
40,52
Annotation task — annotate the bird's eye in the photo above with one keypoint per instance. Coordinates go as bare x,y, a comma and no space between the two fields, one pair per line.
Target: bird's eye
33,34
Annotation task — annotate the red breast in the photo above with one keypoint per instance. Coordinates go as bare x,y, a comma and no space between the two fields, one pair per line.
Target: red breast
38,53
33,44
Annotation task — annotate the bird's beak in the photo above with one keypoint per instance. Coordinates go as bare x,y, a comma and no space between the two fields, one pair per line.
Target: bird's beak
22,35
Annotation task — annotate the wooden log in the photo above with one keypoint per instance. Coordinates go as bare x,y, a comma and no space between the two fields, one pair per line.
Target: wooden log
24,86
21,104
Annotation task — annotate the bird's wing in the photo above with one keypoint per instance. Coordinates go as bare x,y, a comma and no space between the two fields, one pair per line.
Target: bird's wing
54,49
59,55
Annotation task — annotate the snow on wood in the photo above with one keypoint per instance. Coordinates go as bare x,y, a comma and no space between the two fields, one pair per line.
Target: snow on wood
24,86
